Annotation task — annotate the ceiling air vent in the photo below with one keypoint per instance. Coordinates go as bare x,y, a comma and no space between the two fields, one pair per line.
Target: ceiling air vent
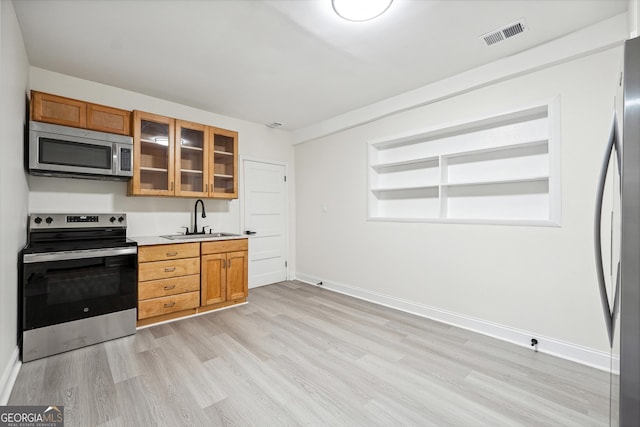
504,33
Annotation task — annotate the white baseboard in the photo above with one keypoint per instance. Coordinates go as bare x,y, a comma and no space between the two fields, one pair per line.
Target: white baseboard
9,376
566,350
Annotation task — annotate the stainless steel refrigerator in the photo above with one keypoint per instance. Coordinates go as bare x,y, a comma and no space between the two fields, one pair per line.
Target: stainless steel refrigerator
619,285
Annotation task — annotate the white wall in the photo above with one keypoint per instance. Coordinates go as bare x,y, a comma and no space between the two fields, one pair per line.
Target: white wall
539,280
13,184
154,215
634,17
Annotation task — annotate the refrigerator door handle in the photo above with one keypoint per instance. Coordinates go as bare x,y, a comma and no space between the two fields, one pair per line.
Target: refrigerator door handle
608,311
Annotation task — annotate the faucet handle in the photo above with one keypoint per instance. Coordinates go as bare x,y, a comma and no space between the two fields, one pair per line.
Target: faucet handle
203,229
186,231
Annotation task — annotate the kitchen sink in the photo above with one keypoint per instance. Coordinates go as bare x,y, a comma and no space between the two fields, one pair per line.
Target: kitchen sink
198,236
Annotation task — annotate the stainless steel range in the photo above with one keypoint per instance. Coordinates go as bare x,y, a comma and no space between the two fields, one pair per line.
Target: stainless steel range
78,287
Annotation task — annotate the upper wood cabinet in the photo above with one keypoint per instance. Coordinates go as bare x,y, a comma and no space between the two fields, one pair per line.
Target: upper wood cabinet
153,155
178,158
191,151
72,112
108,119
224,164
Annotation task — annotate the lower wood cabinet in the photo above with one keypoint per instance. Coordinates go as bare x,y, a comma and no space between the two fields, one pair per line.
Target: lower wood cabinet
168,279
224,271
177,280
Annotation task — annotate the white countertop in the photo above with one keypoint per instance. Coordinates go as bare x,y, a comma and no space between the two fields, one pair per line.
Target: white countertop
157,240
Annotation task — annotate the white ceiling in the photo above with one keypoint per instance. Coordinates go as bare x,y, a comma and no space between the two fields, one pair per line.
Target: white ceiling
288,61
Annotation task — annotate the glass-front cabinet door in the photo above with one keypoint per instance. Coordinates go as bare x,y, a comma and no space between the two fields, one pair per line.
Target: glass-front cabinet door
191,151
224,164
153,155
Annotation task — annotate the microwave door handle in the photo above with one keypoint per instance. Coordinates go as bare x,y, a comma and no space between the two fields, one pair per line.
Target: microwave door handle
115,154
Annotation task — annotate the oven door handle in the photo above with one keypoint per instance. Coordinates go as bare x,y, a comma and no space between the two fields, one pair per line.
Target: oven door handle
82,254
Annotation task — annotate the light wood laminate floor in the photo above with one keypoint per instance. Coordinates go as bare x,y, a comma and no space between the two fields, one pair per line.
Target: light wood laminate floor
301,355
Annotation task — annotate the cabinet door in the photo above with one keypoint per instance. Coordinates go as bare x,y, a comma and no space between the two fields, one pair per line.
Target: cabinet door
237,278
191,167
224,164
108,119
153,160
58,110
213,279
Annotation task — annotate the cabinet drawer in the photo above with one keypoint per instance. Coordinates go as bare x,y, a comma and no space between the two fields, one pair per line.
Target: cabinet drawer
166,269
164,252
171,286
224,246
165,305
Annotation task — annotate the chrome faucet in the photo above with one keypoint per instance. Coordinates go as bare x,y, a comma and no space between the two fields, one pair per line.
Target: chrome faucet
195,216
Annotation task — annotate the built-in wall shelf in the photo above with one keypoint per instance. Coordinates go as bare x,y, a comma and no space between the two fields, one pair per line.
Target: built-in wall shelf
503,169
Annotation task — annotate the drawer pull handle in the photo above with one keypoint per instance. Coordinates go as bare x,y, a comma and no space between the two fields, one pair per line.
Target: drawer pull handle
168,288
172,253
171,304
169,269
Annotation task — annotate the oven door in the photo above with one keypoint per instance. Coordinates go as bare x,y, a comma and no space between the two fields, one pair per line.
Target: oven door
64,286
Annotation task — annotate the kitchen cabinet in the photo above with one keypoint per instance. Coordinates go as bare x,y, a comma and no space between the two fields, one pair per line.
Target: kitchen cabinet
224,271
182,279
224,164
59,110
191,154
179,158
168,280
153,155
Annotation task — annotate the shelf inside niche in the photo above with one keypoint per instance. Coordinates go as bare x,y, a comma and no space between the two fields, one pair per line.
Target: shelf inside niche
429,191
532,185
427,162
522,149
463,127
496,181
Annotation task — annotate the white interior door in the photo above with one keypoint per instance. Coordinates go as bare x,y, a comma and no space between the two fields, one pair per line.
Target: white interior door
265,220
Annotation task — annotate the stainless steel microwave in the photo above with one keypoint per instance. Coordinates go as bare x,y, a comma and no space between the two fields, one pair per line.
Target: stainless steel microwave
79,153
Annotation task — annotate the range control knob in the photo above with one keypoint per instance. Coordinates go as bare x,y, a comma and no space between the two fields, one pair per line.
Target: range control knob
121,219
38,220
49,220
112,219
